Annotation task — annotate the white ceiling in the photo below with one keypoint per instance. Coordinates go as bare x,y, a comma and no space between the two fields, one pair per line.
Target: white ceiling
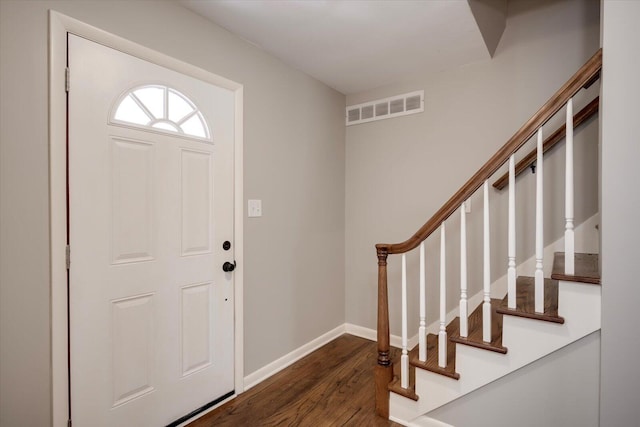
354,46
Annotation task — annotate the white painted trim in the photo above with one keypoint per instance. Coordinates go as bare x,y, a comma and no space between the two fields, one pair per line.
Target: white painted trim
398,420
422,421
278,365
367,333
372,335
425,421
238,221
59,26
395,340
58,220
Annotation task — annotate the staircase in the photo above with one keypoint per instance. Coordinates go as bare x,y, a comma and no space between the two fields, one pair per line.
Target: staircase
519,337
536,317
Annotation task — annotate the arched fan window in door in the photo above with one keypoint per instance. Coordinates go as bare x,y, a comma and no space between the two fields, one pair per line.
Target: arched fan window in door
160,108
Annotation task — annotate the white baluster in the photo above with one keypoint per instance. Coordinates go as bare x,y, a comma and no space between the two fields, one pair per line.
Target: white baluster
404,359
464,305
422,331
511,252
569,242
486,306
539,275
442,334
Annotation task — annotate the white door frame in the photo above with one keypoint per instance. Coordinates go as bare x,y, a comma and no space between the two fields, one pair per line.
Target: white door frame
59,26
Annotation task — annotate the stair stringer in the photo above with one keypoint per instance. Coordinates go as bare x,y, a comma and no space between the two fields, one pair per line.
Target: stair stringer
527,340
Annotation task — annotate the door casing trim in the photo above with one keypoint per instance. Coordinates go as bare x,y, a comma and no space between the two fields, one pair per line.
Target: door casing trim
59,26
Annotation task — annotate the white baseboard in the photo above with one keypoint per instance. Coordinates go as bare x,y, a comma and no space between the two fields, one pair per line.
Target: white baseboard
372,335
422,421
276,366
425,421
398,420
361,331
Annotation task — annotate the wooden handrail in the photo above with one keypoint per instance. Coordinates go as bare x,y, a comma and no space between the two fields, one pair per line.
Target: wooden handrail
384,367
582,116
583,76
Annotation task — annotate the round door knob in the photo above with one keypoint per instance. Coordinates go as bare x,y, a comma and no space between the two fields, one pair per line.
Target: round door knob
228,267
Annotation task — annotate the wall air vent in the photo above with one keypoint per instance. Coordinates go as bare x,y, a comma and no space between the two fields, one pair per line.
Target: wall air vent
394,106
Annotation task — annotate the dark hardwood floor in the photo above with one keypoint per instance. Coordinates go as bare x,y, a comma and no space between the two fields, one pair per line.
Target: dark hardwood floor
333,386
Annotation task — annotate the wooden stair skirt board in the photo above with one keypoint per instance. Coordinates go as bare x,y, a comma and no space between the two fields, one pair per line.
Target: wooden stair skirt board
519,336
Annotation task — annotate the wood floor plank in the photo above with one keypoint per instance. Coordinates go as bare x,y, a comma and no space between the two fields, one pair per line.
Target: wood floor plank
332,386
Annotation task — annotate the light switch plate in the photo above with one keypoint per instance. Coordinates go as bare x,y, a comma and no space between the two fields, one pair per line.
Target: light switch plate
254,208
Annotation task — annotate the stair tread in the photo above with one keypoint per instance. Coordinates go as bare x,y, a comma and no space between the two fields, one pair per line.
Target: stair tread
587,268
525,301
474,337
394,385
431,364
409,392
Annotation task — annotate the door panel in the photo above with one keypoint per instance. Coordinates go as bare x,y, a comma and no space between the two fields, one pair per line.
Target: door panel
196,328
151,311
132,183
196,202
133,347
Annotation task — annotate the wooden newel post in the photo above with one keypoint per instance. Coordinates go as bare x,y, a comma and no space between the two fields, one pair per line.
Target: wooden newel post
384,367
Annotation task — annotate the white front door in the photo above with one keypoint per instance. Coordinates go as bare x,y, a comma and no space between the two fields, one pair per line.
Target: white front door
150,209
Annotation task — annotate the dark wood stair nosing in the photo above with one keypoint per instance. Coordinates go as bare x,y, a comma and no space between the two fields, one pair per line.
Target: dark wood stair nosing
431,364
534,316
578,279
409,392
427,366
586,268
481,345
525,286
474,336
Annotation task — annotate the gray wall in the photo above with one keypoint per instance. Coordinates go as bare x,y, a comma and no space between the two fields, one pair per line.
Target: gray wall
559,390
491,17
294,162
620,206
401,170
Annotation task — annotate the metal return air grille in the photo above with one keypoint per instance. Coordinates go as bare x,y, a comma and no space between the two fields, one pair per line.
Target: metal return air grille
399,105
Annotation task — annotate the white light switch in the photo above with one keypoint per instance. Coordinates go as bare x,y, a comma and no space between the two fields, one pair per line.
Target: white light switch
255,208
